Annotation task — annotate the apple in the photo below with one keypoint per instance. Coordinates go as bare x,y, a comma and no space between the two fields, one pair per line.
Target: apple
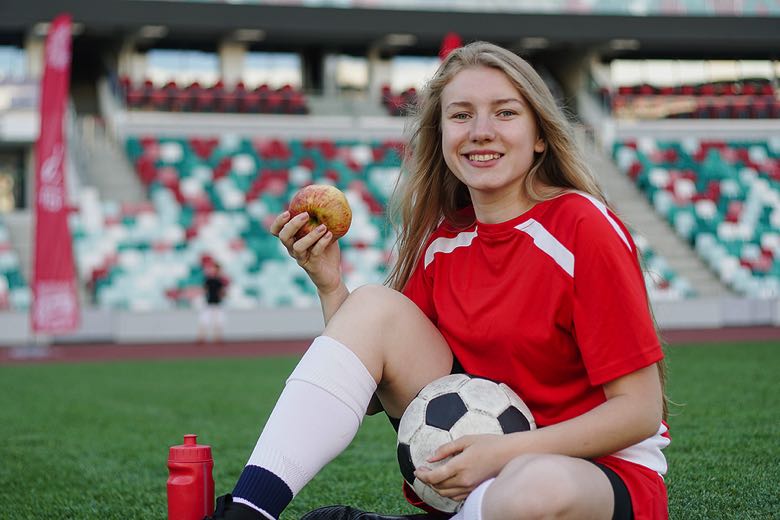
325,204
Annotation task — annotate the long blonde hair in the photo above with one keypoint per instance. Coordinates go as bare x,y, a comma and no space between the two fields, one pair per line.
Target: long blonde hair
428,192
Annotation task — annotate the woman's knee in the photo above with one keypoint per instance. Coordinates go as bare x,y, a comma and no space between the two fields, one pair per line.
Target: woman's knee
532,486
361,323
386,330
377,311
367,305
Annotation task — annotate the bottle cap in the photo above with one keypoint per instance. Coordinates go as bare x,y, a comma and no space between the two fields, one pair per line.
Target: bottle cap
190,451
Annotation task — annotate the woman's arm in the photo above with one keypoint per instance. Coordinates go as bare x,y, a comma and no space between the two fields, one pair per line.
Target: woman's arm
631,413
331,301
319,255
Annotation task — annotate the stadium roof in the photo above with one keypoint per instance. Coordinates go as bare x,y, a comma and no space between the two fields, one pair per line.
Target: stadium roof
358,29
586,7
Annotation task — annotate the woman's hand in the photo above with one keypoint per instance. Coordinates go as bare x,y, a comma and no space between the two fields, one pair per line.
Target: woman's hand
317,252
475,458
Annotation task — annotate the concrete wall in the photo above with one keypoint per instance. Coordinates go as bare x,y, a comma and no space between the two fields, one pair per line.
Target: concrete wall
98,325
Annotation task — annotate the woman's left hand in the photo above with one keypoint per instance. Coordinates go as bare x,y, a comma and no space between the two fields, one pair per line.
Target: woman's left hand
475,458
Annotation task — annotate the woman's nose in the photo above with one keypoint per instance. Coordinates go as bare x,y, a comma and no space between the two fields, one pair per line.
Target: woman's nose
482,129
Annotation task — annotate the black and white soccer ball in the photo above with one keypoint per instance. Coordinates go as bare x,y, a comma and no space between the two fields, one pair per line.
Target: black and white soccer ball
449,408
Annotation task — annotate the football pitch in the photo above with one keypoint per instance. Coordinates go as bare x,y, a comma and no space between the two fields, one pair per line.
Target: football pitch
90,440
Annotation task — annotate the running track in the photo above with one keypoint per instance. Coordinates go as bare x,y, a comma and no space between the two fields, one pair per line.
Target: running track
71,353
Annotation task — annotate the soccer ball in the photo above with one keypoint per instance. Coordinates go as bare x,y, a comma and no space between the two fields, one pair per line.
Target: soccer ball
449,408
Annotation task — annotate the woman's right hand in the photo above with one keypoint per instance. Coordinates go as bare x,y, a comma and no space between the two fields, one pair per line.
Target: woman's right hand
317,252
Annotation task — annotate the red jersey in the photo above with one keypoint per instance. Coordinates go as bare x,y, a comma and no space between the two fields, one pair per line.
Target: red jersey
552,303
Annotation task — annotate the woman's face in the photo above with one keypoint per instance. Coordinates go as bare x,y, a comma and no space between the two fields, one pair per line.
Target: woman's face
489,134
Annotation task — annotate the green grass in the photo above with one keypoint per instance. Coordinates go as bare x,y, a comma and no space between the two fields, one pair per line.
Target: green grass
90,440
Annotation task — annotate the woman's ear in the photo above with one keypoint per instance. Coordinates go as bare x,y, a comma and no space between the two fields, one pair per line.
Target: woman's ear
539,145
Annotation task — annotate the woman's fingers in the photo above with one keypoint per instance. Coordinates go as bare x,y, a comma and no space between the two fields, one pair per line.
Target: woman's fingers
448,449
323,242
433,477
302,249
288,231
278,223
455,493
444,482
303,244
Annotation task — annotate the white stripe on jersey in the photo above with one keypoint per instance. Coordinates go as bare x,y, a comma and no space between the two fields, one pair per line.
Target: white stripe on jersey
542,238
648,452
545,241
448,245
603,209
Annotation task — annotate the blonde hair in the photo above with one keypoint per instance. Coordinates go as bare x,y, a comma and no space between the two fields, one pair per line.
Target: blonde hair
428,192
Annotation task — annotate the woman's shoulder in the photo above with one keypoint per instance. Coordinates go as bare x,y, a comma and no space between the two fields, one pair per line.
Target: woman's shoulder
579,205
577,201
590,218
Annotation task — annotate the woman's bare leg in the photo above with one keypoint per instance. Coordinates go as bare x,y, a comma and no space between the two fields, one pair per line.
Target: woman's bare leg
378,343
549,486
396,342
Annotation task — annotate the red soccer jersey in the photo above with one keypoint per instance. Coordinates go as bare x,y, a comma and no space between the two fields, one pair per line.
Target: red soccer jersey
552,303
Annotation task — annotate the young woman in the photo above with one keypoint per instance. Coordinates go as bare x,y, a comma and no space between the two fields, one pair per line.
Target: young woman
511,267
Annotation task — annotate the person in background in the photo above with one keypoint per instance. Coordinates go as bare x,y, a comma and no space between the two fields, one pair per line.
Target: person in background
212,316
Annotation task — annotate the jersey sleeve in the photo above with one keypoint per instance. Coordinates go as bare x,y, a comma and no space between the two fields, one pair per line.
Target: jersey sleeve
613,324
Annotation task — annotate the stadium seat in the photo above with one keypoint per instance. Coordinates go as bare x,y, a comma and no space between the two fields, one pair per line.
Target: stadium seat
14,291
214,98
217,196
722,197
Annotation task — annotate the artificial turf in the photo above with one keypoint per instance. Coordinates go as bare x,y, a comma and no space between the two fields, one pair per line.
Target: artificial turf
90,440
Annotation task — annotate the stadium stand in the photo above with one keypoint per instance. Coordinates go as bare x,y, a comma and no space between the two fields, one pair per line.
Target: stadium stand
215,197
662,281
395,103
14,291
214,98
726,100
216,155
722,197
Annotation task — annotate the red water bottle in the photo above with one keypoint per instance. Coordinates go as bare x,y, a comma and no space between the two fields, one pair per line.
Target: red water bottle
190,482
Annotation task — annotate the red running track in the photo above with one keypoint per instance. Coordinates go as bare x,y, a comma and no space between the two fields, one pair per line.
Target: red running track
73,353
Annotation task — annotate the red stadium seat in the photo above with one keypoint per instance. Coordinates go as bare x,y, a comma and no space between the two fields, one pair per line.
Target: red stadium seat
274,103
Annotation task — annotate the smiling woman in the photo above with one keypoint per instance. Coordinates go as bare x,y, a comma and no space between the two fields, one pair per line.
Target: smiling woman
511,267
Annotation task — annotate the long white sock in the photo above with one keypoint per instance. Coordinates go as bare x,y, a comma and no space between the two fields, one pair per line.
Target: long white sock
315,419
472,507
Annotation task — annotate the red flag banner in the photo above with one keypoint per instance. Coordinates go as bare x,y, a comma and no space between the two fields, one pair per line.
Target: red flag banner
55,305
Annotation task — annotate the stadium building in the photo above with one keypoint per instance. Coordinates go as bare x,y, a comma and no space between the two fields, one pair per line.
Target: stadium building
190,124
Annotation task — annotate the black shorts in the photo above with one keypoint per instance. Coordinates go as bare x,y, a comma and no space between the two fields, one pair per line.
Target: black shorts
623,509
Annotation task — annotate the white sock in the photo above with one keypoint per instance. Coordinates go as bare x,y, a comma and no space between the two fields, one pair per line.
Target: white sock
315,419
472,507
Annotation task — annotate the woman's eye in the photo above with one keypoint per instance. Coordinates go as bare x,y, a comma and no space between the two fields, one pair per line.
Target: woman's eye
506,113
460,115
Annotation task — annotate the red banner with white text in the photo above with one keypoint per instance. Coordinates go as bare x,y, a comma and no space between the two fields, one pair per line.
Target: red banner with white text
55,307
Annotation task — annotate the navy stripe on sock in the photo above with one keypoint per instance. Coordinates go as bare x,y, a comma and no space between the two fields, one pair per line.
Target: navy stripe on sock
264,489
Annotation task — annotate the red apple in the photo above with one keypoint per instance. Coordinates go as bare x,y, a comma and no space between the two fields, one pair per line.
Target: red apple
325,204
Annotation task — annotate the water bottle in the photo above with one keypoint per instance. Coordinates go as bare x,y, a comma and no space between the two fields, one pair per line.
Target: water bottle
190,482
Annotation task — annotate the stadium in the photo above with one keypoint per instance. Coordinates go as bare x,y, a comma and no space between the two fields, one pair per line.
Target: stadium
190,124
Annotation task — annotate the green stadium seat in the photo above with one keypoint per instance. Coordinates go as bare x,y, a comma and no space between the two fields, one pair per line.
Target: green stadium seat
725,205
